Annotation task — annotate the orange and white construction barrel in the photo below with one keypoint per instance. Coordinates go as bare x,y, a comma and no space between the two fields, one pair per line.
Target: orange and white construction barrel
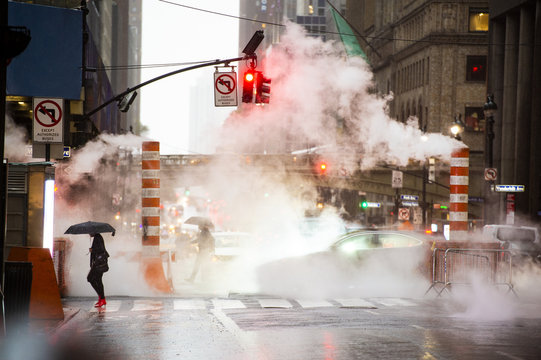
150,203
458,201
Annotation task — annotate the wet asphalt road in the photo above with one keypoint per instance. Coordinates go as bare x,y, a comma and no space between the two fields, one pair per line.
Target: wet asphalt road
262,327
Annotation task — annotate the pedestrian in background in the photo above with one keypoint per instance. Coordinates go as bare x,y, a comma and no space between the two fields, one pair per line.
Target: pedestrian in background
206,245
98,265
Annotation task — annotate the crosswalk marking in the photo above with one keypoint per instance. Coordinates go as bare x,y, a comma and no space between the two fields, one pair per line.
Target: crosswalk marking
225,304
146,305
184,304
395,301
356,303
228,304
308,303
112,305
275,303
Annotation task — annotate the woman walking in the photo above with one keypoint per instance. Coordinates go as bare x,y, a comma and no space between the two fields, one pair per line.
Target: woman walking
98,265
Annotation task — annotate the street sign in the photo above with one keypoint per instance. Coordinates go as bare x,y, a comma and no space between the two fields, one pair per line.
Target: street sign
373,204
225,89
417,216
48,125
397,179
403,214
509,188
409,197
431,170
67,151
491,174
410,203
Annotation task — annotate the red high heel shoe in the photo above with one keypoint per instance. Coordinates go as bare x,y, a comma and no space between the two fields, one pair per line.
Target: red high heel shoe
100,303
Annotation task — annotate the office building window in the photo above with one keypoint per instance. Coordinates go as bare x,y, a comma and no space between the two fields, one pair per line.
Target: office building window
476,68
474,119
478,20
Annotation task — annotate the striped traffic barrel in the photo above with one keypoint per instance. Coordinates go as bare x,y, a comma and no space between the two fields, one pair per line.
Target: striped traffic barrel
458,202
150,203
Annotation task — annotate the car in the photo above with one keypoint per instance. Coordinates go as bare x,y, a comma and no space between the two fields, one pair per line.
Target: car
230,244
523,241
356,264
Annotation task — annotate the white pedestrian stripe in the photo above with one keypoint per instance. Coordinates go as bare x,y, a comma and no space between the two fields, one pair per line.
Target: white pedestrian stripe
183,304
228,304
222,304
308,303
394,302
112,306
275,303
147,305
355,303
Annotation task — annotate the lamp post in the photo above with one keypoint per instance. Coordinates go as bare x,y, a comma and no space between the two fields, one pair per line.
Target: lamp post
457,127
490,108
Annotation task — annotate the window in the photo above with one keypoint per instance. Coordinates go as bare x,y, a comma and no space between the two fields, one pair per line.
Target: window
476,68
478,20
474,119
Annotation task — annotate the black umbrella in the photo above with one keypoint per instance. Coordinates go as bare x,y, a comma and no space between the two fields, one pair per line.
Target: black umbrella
90,227
200,221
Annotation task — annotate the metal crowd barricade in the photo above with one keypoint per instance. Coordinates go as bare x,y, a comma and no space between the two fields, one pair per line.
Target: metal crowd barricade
456,266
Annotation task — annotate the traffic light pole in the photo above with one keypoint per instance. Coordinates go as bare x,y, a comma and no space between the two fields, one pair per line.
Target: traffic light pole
132,89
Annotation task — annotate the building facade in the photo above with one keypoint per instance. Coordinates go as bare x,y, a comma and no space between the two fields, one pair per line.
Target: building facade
432,57
514,78
111,36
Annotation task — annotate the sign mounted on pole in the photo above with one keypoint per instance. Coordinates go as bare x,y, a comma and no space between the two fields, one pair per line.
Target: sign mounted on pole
225,88
403,214
397,179
491,174
48,125
509,188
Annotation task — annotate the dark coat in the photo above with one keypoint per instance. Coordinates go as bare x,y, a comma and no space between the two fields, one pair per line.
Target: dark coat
98,248
205,241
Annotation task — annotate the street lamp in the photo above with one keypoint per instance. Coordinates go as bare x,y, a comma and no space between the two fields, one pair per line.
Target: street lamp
490,108
457,127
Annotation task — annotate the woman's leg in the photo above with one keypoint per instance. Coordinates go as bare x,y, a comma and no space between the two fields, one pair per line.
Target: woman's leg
95,279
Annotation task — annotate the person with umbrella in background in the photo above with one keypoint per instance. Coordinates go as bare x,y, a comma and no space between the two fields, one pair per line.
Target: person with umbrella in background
98,265
206,245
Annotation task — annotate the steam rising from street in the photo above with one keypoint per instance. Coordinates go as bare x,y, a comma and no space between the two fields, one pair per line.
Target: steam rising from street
319,97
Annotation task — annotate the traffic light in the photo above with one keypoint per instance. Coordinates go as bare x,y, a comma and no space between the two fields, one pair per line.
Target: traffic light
262,89
363,204
322,167
248,86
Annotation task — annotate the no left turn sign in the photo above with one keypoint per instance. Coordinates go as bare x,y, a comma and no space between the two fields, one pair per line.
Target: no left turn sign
491,174
48,124
225,88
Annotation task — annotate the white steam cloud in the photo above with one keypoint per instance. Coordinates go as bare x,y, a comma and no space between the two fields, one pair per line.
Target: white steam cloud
15,141
319,96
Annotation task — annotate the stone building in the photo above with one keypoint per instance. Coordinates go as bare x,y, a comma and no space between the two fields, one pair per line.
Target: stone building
432,56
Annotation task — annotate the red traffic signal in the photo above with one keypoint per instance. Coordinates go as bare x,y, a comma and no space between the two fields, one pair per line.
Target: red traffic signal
248,86
322,167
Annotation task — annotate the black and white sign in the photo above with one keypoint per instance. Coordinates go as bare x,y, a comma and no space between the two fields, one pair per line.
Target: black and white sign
48,124
397,179
225,89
